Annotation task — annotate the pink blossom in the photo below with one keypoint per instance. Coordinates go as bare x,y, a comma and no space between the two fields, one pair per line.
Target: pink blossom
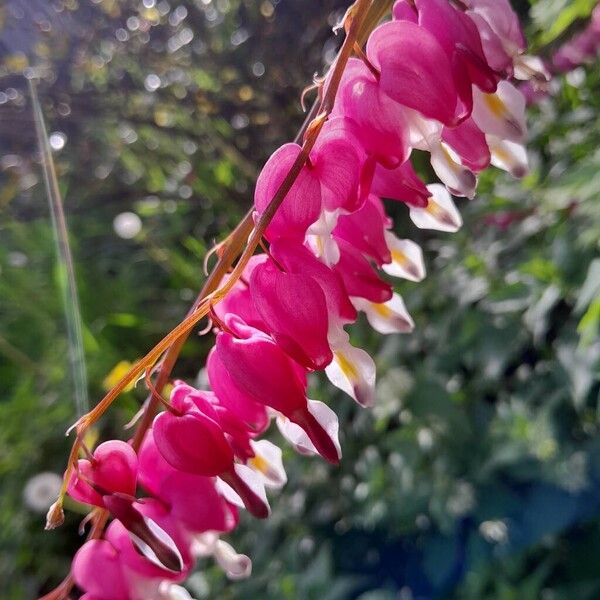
277,386
415,70
359,277
192,499
300,329
112,468
365,230
298,259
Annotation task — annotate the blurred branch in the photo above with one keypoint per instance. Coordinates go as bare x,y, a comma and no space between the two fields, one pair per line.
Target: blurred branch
67,280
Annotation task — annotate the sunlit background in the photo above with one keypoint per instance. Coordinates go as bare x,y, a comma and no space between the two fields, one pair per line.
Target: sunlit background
477,475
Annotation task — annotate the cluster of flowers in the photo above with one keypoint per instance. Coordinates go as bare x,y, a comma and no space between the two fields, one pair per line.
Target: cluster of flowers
582,48
435,78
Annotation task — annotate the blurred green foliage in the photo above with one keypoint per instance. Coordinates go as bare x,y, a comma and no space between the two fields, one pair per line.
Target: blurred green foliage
476,476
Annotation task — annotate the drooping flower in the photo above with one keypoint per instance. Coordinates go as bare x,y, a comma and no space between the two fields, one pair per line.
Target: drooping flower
415,70
257,365
111,468
300,329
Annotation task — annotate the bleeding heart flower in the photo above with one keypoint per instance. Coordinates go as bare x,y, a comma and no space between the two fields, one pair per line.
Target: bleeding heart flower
299,328
111,468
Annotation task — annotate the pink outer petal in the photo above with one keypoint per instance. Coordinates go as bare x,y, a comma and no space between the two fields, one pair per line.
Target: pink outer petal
352,156
380,121
262,370
192,443
468,141
503,20
404,11
458,35
337,160
97,570
244,331
114,470
401,183
233,397
237,433
495,54
192,499
302,204
154,469
296,258
365,230
294,309
359,277
415,70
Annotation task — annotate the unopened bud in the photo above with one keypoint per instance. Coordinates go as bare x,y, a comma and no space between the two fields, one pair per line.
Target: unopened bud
56,516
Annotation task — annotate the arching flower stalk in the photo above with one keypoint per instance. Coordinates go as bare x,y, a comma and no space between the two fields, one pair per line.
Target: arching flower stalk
434,78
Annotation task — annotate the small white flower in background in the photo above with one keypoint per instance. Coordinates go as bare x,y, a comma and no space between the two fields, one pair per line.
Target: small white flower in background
494,531
41,491
127,225
57,140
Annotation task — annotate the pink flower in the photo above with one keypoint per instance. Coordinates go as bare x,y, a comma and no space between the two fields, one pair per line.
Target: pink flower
112,468
191,440
415,70
296,258
431,80
365,230
360,279
192,499
379,121
298,328
499,29
152,544
329,180
302,204
233,397
259,367
400,183
239,300
97,570
459,37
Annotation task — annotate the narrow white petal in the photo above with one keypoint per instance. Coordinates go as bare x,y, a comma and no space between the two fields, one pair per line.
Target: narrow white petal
204,543
421,130
268,463
508,156
253,481
389,317
407,259
228,493
320,240
352,371
440,214
170,591
448,167
501,114
296,436
236,566
530,67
